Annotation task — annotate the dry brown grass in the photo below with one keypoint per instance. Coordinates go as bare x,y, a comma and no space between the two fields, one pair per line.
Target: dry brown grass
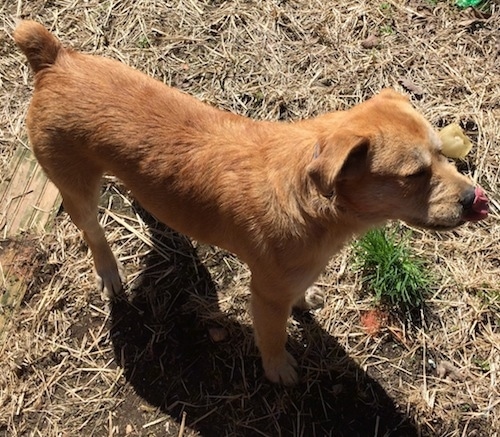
70,365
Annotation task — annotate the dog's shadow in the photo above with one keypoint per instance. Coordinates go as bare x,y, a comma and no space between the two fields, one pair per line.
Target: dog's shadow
161,339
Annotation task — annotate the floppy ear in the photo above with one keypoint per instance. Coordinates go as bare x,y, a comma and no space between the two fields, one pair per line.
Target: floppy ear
340,157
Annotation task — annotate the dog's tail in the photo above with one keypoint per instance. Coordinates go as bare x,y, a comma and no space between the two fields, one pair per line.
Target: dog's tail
37,43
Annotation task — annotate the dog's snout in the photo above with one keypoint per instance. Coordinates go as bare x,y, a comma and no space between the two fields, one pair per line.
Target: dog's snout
467,198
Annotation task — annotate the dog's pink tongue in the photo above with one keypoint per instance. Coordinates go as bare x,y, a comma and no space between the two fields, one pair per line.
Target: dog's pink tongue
480,206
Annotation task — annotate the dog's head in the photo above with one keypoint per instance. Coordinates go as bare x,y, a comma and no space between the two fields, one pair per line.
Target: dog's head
382,160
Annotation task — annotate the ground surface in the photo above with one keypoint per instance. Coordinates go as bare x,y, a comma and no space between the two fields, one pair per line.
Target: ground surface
177,356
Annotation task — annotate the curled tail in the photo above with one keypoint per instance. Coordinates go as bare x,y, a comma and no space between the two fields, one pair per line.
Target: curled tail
37,43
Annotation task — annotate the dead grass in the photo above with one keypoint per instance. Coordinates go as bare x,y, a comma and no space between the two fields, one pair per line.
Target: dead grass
70,365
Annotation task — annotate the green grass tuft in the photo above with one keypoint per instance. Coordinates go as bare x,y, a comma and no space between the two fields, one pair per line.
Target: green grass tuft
390,270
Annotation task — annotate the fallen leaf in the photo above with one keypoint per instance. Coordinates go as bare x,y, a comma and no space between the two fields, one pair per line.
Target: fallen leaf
409,85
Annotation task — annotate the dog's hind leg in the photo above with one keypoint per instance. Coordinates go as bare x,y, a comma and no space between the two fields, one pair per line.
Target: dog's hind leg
80,192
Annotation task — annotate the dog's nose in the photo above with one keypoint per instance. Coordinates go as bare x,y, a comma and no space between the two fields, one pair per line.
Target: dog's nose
475,204
467,198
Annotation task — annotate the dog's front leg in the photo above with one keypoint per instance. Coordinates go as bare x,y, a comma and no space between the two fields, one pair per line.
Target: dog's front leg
109,273
270,317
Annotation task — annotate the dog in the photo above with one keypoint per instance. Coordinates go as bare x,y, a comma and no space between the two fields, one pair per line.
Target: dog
283,196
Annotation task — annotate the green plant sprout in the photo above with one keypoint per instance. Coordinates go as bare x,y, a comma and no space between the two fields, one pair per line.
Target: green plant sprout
390,269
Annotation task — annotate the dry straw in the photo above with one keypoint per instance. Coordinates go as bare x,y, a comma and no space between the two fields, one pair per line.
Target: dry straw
72,365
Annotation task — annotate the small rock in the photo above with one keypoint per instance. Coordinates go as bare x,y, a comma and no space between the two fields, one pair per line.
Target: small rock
371,42
217,334
445,368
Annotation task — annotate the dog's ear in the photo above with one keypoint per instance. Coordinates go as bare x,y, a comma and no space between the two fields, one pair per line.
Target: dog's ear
343,156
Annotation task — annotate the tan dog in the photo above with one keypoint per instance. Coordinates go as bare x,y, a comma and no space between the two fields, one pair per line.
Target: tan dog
284,197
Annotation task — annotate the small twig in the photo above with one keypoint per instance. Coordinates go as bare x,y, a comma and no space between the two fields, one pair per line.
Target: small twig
183,424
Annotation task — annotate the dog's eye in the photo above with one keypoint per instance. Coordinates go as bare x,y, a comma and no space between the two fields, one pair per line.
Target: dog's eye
420,173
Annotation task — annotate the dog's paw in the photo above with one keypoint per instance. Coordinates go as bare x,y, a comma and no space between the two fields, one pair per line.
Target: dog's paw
110,281
313,298
281,370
